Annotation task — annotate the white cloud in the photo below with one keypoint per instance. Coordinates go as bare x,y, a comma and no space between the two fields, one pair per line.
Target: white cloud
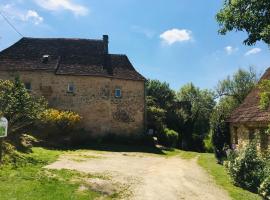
57,5
34,16
176,35
253,51
15,13
230,50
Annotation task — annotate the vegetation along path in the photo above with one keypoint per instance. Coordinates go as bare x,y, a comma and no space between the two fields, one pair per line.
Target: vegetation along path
140,176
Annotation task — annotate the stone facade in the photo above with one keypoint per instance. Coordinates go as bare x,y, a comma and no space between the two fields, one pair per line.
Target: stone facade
93,98
243,133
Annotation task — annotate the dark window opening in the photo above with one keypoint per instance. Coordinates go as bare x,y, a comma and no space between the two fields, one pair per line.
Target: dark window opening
118,93
71,88
45,59
28,86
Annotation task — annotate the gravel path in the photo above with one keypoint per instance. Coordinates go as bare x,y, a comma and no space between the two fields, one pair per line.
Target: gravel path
147,176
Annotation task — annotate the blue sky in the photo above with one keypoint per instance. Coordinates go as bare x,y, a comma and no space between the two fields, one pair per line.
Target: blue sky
174,41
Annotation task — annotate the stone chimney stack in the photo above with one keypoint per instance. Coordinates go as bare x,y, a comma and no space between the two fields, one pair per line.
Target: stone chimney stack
106,44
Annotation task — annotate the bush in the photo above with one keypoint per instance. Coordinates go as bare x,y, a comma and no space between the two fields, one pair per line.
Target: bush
63,121
247,168
168,138
208,144
19,107
264,189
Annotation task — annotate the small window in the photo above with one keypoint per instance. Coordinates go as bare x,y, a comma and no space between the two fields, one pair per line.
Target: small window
45,59
118,93
235,135
71,88
28,86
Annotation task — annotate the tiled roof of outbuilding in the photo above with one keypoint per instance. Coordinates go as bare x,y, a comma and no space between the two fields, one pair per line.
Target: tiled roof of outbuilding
83,57
249,110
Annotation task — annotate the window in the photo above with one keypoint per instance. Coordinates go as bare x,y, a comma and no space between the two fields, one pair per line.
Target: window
118,93
28,86
45,59
71,88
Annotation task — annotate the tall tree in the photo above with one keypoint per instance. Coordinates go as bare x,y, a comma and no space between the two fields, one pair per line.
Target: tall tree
196,124
252,16
237,86
231,92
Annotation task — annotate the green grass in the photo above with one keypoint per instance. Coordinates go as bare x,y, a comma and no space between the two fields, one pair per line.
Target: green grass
31,181
218,172
182,154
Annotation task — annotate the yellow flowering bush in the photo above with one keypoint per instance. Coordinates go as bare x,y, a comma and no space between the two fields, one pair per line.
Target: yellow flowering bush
62,119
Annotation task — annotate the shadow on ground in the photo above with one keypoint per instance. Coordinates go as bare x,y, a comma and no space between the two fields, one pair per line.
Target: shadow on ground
111,147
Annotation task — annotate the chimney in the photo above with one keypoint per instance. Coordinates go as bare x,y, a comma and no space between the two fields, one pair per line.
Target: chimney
106,44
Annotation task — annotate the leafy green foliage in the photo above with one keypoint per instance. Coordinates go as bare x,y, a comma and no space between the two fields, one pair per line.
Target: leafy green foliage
232,92
62,120
155,115
264,189
247,168
252,16
222,178
18,106
208,144
196,116
264,94
162,95
168,138
238,86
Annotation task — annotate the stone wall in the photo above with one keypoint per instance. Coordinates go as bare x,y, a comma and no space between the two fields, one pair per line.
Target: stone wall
243,133
94,99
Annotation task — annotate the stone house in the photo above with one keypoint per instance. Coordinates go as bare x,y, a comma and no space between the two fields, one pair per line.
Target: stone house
82,76
248,121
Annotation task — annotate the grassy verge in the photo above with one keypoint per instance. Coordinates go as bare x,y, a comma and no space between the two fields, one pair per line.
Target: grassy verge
31,181
218,172
208,162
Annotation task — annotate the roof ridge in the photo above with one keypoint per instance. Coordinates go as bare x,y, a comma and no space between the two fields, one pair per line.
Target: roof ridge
62,38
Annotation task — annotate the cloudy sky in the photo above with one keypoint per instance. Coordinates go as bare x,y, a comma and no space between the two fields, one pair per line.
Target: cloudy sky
174,41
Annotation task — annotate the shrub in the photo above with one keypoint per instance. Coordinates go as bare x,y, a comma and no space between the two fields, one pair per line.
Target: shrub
168,138
264,189
247,168
63,121
19,106
208,144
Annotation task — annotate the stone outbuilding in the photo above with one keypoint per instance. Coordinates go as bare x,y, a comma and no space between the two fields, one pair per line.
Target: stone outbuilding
248,121
82,76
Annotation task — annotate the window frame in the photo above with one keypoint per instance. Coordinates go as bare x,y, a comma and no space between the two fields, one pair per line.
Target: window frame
28,83
71,85
116,90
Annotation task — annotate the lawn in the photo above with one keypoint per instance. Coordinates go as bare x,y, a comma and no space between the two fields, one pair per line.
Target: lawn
218,172
208,162
31,181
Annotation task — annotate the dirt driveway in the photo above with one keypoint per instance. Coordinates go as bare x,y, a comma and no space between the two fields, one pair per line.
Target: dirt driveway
144,176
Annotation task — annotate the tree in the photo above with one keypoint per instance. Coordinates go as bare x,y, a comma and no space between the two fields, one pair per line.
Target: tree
20,107
264,94
252,16
161,93
231,93
219,127
238,86
197,123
